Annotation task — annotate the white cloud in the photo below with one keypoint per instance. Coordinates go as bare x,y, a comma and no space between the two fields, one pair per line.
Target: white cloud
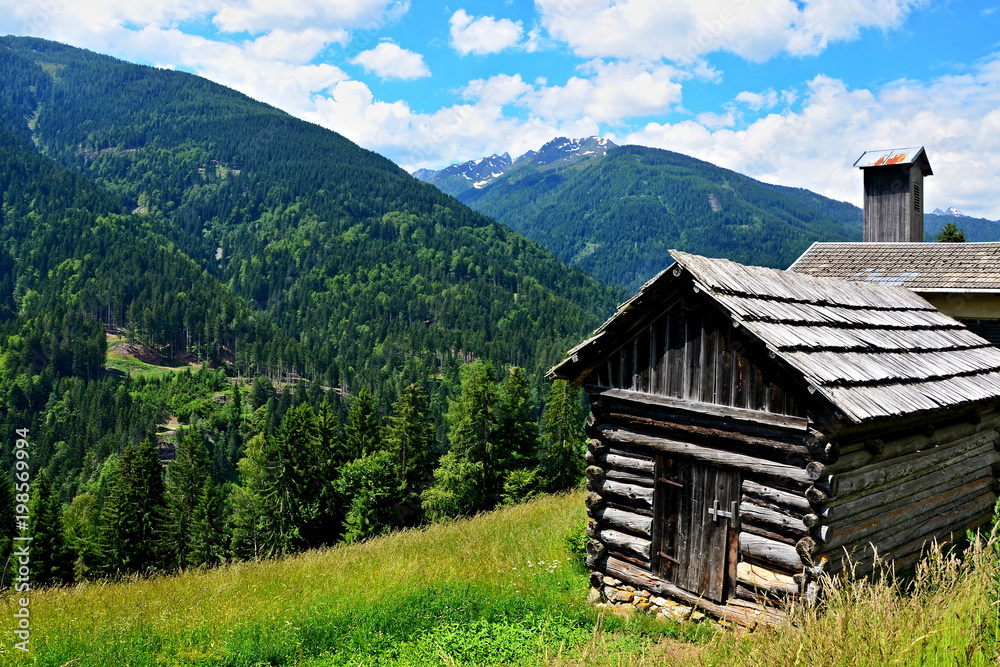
757,101
483,35
294,47
615,91
455,133
685,30
957,118
257,16
390,61
497,90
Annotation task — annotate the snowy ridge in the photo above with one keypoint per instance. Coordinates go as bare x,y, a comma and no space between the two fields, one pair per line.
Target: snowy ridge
951,210
482,171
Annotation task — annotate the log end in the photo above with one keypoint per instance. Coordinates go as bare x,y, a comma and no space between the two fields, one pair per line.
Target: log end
594,501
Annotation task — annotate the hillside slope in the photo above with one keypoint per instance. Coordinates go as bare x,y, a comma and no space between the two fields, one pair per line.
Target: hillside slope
617,215
368,269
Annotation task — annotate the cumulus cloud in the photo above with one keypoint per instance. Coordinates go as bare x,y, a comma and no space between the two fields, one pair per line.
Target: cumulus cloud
483,35
685,30
497,90
454,133
612,92
256,16
390,61
957,118
297,47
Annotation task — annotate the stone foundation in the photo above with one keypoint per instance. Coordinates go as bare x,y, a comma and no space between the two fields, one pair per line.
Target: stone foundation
621,597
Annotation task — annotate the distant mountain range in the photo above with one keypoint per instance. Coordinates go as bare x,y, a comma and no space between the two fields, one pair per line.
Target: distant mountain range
458,179
952,211
616,210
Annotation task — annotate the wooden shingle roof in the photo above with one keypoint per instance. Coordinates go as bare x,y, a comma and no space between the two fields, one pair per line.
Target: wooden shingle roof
942,267
873,351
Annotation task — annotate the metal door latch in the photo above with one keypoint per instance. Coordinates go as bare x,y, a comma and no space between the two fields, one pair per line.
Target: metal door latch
715,512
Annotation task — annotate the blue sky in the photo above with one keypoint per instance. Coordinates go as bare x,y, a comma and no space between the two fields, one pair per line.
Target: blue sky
787,91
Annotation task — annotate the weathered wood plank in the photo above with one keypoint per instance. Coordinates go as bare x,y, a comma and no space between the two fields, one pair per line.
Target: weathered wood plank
633,523
947,524
896,471
909,491
910,514
701,410
623,541
875,450
779,448
793,502
761,578
777,553
641,495
708,455
630,477
624,462
773,519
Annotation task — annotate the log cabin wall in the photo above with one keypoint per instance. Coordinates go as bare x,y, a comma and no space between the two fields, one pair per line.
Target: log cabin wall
898,492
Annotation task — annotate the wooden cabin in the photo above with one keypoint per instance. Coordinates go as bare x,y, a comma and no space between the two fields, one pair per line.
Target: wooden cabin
753,428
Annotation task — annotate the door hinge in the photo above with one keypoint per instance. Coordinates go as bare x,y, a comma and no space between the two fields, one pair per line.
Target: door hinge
671,482
715,512
671,559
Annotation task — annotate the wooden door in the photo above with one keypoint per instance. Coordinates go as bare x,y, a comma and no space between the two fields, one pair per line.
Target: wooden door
697,513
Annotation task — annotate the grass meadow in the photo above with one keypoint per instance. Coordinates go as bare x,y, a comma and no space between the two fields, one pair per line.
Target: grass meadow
500,589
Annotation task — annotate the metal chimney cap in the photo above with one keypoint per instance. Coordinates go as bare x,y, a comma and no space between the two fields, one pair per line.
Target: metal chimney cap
895,156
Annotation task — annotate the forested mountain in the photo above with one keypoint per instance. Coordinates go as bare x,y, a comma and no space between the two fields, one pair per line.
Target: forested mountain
364,269
289,287
618,214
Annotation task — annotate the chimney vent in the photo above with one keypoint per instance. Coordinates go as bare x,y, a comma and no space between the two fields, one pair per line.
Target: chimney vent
894,198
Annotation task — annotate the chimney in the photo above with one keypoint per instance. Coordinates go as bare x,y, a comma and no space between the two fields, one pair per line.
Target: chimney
894,194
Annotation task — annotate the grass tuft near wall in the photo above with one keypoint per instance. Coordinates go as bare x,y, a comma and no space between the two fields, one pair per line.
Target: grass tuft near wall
946,613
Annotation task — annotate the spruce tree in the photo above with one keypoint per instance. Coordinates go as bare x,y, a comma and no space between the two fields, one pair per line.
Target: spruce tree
410,437
208,534
950,233
410,442
51,561
80,521
261,393
227,455
462,482
278,504
186,479
7,527
370,493
331,454
564,438
364,435
133,514
517,429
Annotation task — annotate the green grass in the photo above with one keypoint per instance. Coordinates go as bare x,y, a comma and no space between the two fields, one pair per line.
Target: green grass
500,589
946,614
136,368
